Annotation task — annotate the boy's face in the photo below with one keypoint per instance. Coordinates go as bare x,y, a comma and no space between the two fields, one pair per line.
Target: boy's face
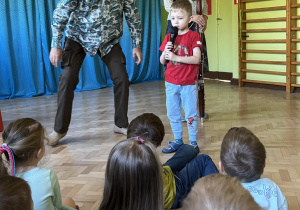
180,19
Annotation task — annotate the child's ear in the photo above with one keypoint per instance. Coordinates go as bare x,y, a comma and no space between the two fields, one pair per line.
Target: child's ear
39,153
221,167
191,19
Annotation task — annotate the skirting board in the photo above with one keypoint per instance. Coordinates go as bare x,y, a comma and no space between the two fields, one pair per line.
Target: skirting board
218,75
264,86
233,81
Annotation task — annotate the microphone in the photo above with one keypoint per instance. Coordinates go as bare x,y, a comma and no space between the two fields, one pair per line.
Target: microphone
173,35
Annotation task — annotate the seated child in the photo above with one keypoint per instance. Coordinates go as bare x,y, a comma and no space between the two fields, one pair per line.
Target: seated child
133,177
243,156
217,191
15,193
23,148
182,170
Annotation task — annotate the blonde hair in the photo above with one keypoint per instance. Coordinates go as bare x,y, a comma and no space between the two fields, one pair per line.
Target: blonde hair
218,191
24,137
183,5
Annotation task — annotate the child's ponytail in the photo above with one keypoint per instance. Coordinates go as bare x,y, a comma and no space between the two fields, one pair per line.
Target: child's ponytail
3,169
4,149
22,139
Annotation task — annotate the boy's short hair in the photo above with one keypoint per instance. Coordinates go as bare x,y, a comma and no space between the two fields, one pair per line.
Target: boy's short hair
218,191
147,126
184,5
242,154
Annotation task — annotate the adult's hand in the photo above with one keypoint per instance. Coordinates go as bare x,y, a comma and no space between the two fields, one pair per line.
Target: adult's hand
200,20
55,56
137,55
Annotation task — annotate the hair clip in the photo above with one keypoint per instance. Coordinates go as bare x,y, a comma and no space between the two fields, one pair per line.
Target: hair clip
2,148
142,140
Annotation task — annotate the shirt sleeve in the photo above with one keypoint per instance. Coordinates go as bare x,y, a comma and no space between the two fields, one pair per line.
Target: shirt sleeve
194,6
56,199
162,47
60,18
167,4
204,7
282,202
196,40
133,20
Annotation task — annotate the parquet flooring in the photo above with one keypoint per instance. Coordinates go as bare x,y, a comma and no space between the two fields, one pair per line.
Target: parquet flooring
80,158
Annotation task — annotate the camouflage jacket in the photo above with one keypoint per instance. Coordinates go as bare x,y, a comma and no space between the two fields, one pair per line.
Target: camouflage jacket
95,24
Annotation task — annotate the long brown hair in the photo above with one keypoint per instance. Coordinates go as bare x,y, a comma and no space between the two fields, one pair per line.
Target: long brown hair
15,193
133,178
24,137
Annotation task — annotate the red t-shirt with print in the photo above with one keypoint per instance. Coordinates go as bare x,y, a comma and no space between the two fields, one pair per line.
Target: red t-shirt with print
182,73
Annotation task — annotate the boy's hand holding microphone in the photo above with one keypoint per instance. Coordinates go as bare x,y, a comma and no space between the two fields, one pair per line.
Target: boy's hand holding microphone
169,55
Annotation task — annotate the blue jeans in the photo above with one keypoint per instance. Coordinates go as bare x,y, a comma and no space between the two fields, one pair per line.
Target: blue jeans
187,96
187,168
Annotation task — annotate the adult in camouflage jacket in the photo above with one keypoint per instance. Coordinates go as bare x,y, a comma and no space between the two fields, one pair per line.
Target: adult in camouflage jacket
92,27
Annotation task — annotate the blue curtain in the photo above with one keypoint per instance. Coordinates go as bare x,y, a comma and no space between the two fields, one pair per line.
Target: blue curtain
25,42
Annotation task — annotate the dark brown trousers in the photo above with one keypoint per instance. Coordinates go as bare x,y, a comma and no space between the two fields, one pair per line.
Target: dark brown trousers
73,56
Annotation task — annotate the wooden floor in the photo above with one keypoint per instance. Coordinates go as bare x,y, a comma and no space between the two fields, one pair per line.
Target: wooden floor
79,159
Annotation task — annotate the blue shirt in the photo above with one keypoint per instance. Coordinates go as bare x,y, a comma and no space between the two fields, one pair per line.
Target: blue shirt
267,194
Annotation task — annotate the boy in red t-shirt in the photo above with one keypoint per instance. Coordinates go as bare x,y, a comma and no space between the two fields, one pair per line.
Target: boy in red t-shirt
181,74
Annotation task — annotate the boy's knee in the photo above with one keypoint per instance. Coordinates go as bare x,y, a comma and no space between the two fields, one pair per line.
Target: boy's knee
204,157
191,120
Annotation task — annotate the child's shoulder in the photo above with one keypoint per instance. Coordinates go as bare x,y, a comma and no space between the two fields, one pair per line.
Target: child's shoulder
192,34
37,171
43,170
265,180
261,182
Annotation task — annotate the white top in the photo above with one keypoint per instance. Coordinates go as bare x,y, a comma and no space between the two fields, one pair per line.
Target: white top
267,194
168,3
